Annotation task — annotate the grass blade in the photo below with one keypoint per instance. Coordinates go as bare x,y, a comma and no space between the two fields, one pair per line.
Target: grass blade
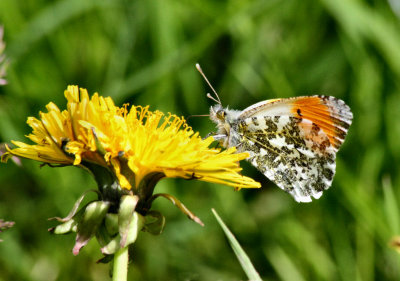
244,260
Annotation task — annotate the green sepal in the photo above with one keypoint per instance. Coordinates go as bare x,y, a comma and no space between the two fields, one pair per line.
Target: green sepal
134,227
178,204
111,223
93,216
70,225
74,210
5,157
125,214
102,235
155,223
112,247
65,228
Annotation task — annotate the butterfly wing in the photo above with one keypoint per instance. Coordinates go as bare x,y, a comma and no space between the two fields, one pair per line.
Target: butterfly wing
294,141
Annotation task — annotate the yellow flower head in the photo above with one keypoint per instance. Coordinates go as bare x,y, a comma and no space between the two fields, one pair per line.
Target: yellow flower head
132,144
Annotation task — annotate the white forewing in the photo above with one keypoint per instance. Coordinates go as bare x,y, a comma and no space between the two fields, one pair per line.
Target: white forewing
277,107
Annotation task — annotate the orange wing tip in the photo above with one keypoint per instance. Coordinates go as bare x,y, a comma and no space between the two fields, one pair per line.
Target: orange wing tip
333,116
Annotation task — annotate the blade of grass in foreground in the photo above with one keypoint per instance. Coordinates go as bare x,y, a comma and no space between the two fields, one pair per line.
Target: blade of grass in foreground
244,260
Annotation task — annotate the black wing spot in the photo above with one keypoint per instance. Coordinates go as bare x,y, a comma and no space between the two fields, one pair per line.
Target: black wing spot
299,112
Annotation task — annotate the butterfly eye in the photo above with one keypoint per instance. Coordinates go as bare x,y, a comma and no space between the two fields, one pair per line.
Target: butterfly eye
221,114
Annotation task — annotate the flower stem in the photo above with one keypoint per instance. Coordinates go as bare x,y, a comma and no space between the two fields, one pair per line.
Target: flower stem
120,270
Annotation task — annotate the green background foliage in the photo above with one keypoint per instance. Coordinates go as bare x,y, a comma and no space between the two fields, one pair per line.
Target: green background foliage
144,52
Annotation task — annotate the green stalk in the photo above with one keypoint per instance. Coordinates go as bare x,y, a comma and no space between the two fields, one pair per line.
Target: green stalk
120,270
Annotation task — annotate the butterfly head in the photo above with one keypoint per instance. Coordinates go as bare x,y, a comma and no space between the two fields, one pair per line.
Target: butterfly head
217,113
218,116
225,119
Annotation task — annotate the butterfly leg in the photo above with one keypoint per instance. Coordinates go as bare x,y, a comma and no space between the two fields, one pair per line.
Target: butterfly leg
209,135
217,137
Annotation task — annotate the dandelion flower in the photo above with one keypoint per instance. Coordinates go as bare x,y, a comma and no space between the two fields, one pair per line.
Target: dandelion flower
132,144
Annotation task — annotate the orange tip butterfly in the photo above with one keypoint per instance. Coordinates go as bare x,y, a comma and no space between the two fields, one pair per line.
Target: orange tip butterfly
292,141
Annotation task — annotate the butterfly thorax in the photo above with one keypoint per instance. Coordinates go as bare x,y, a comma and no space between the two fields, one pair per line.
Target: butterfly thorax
225,119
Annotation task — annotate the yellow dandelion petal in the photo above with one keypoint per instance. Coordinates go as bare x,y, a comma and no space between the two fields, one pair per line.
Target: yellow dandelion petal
123,181
48,135
165,144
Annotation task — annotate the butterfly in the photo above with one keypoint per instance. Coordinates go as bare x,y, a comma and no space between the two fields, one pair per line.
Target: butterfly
292,141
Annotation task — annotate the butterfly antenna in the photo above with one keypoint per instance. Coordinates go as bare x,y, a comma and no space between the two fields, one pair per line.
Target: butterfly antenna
217,100
202,115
